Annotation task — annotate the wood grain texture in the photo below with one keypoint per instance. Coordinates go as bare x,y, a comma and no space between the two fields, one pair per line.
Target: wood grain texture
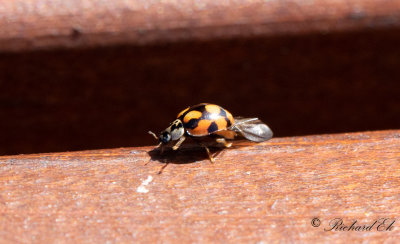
44,24
254,192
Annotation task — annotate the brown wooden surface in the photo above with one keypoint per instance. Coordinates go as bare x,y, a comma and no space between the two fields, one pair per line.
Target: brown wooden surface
262,192
37,24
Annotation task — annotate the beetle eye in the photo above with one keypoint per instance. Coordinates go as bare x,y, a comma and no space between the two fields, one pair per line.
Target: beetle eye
165,137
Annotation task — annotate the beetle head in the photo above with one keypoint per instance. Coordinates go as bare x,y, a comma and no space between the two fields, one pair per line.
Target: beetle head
174,131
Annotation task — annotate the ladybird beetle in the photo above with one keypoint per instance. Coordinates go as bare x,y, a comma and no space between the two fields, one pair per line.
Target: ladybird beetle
209,119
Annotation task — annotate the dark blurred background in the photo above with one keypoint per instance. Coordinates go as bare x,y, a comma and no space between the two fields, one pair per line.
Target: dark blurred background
109,97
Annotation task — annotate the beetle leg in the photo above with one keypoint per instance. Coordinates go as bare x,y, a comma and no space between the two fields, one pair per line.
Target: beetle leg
209,154
223,141
177,145
162,168
207,150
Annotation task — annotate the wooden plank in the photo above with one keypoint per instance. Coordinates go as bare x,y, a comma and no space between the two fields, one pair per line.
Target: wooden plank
43,24
254,192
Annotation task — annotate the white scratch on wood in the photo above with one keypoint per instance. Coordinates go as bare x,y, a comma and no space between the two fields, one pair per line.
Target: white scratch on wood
142,188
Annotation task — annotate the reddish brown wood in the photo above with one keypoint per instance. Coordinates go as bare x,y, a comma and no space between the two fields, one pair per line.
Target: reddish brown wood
255,192
35,24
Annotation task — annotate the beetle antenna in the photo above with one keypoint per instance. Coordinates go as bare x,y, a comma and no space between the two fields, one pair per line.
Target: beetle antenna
153,134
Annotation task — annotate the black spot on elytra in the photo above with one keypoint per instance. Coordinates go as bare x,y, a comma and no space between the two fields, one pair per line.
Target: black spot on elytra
199,107
192,124
212,128
222,113
228,122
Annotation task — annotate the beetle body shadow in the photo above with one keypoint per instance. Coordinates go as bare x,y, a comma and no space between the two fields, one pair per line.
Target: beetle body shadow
191,151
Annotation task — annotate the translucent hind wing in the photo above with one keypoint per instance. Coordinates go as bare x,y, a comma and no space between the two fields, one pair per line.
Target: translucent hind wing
252,129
